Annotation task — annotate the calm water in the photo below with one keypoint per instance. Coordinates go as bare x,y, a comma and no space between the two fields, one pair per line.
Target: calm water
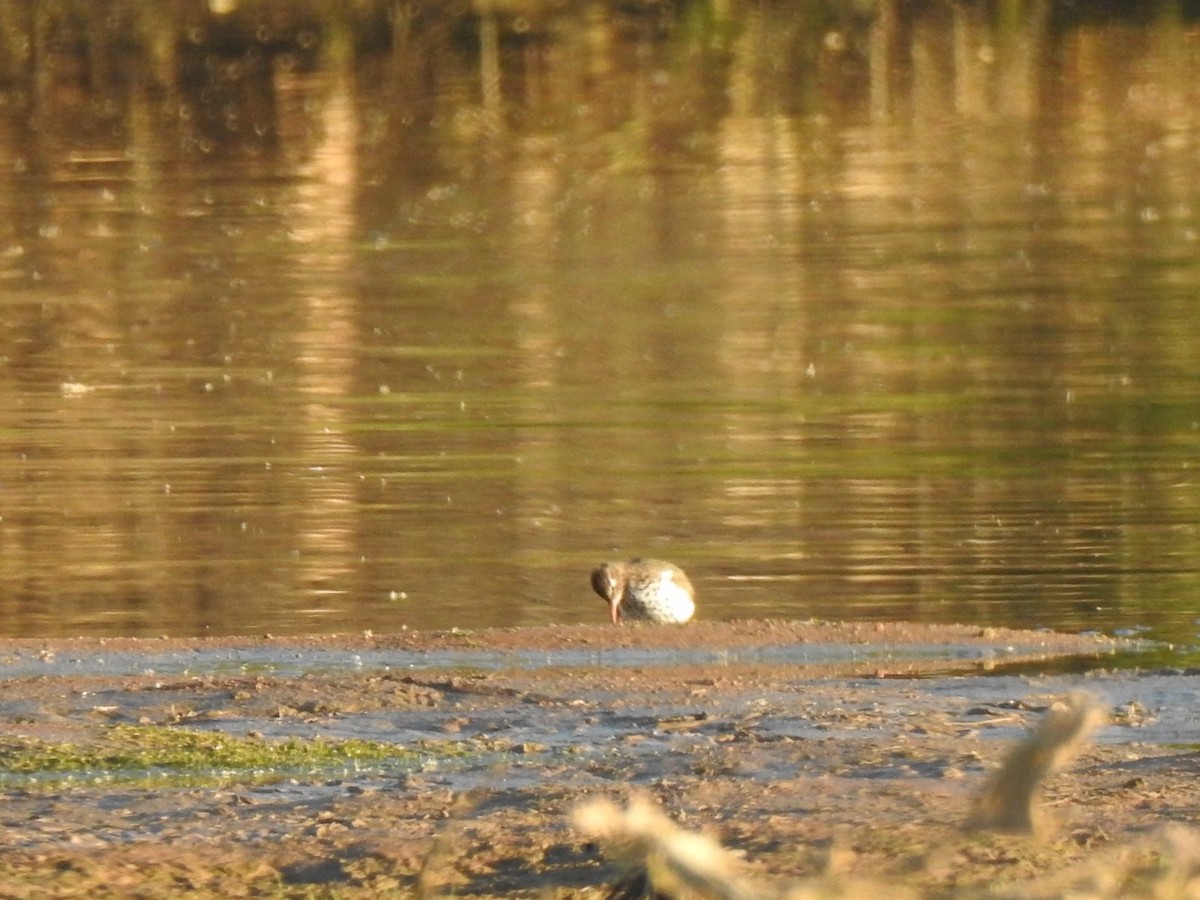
873,317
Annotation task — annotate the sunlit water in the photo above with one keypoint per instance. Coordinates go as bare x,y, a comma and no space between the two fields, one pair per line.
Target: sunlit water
921,347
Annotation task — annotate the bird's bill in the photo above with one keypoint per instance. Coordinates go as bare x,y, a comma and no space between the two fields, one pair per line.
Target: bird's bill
614,609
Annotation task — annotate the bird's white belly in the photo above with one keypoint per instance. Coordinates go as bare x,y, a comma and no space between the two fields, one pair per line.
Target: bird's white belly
666,602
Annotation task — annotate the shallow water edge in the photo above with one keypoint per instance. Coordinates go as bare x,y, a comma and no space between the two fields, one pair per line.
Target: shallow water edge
895,648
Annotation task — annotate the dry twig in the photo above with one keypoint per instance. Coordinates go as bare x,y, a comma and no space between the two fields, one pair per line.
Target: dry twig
1008,802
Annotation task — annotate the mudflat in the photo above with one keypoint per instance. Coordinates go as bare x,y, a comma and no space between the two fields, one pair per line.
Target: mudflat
448,763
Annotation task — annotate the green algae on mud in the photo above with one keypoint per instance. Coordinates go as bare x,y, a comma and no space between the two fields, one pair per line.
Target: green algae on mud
146,753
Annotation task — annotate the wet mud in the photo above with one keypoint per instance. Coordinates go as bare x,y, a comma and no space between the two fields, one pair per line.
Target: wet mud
806,747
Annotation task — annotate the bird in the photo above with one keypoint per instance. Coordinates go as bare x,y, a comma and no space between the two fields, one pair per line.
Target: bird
649,590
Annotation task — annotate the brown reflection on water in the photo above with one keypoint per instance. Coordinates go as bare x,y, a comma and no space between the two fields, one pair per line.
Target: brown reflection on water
408,316
327,479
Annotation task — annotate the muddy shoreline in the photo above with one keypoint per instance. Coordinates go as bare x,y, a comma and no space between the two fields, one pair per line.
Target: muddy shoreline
862,764
729,635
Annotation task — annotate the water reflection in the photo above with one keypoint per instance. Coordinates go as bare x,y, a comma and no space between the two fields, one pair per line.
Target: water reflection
407,316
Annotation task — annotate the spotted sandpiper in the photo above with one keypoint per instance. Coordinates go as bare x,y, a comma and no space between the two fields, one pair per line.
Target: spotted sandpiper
647,589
